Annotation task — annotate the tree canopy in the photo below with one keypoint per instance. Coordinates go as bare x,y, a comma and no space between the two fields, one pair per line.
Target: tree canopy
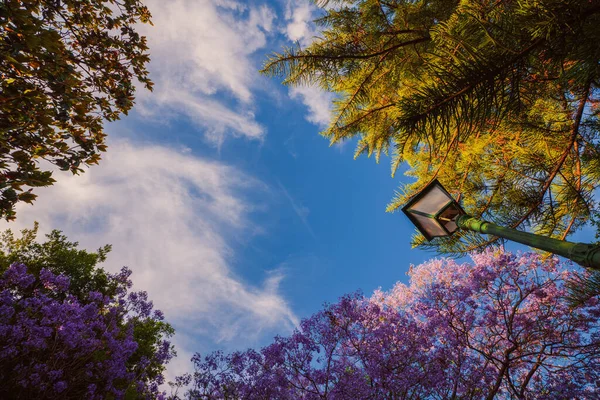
498,328
65,67
496,99
69,329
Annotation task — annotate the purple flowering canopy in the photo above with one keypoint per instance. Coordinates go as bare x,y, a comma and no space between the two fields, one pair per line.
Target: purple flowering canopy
499,328
57,345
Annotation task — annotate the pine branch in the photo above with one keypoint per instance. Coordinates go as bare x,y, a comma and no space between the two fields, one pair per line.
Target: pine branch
577,189
272,68
474,81
341,113
582,288
365,115
560,162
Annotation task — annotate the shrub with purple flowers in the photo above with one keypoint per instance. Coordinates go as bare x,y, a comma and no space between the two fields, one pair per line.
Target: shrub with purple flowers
64,338
499,328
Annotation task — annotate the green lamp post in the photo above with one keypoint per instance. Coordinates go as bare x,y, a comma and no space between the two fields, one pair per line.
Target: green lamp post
435,213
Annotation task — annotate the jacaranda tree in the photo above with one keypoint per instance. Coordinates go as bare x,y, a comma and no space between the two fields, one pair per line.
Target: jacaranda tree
85,336
498,328
65,67
496,99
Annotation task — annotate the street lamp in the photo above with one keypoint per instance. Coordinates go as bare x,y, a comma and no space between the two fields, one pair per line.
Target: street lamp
436,214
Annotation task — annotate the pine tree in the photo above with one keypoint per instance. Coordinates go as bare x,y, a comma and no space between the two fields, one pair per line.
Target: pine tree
496,99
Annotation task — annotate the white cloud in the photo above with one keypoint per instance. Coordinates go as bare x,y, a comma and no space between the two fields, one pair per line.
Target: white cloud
317,101
300,28
201,63
169,217
299,16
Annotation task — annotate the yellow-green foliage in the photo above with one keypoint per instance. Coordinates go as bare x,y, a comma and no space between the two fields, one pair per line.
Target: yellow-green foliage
496,99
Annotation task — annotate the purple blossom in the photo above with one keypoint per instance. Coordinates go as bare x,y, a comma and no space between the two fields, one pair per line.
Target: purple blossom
52,343
60,386
497,328
17,276
54,282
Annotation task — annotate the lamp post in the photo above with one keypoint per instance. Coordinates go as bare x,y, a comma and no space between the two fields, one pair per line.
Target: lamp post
435,213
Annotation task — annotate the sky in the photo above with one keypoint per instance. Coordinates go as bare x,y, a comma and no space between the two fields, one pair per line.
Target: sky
234,214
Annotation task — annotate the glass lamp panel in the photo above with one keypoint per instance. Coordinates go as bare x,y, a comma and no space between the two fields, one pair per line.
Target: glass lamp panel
451,226
433,201
448,217
429,225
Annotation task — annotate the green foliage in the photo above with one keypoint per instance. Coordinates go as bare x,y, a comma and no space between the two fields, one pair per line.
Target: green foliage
149,334
65,65
498,100
59,256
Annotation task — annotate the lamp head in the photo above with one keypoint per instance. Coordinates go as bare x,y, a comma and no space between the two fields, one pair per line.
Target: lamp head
433,211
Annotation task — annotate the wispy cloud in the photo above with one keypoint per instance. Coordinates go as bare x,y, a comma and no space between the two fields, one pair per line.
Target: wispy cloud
201,64
300,29
317,101
300,210
299,15
171,218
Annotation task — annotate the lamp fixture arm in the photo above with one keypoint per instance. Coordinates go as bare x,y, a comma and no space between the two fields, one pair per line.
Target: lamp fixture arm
584,254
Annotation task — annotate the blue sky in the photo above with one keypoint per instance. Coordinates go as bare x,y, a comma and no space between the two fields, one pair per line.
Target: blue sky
219,193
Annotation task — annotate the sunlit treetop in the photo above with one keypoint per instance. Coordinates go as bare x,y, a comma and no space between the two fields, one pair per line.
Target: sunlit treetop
496,99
